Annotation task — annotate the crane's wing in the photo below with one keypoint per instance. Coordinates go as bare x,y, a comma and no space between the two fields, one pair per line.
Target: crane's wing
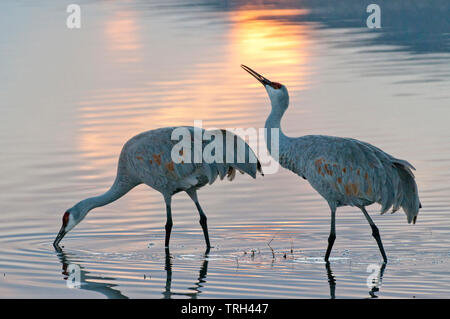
358,172
160,158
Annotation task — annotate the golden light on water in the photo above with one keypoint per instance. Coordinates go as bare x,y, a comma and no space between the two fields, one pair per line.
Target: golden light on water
121,32
215,91
258,38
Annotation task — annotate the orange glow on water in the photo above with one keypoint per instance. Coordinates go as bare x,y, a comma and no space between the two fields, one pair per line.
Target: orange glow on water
122,37
259,39
215,91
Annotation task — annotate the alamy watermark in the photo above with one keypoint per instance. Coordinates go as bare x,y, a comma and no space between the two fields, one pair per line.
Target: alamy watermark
232,145
374,19
73,21
374,279
73,276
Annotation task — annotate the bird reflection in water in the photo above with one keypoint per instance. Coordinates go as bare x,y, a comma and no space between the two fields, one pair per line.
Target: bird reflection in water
377,282
98,283
167,294
88,281
375,285
331,281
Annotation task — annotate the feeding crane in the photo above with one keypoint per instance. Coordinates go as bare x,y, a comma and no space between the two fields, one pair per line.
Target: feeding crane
344,171
147,159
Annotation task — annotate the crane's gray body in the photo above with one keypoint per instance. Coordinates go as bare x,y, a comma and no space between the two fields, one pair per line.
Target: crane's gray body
346,171
146,158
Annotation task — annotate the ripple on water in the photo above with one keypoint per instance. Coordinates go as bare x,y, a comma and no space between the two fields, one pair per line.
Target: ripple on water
60,145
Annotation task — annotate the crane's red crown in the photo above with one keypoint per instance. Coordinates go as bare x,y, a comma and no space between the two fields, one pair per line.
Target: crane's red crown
275,85
65,218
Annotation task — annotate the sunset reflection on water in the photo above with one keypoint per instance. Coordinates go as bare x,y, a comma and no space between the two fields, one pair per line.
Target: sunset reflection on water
70,99
215,91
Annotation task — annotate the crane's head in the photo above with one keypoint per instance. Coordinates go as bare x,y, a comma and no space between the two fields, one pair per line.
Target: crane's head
277,92
70,219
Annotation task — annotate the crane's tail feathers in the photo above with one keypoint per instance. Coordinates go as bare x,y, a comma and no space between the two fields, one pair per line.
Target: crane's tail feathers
231,173
407,195
406,165
259,168
229,170
237,155
244,168
243,158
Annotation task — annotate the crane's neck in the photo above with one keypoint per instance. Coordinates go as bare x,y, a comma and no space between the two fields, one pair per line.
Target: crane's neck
274,136
117,190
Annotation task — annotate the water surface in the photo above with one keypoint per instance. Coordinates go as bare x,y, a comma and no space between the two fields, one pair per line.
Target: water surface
70,99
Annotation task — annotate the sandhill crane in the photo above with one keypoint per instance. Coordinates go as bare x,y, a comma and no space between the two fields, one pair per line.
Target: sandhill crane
147,159
344,171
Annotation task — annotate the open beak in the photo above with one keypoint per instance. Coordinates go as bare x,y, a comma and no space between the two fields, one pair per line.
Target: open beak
257,76
59,237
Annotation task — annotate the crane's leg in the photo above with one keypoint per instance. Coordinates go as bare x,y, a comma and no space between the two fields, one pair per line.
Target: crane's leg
375,233
169,223
331,281
332,236
193,195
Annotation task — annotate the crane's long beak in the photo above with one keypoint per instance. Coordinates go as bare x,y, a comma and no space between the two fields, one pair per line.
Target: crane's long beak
257,76
59,237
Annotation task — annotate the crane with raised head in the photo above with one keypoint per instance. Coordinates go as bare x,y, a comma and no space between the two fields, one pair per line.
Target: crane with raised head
344,171
147,158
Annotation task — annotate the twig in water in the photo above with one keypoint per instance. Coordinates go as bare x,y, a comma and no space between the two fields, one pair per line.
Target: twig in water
268,244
